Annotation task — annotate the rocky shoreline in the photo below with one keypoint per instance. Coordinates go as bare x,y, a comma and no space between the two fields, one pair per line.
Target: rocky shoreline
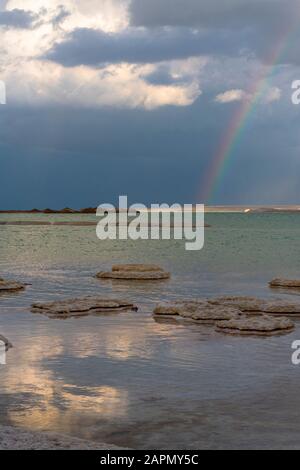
20,439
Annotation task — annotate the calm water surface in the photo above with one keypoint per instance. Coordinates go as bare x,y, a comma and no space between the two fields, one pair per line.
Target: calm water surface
129,380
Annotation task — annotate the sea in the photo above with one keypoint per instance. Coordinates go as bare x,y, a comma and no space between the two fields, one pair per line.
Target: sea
133,380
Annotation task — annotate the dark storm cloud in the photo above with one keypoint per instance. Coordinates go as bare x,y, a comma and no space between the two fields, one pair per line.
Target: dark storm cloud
88,156
268,14
178,29
19,19
268,22
93,47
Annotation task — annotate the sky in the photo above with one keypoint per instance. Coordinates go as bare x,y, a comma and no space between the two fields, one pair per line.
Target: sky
135,97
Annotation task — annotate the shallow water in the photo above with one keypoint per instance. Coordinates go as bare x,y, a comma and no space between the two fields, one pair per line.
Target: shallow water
130,380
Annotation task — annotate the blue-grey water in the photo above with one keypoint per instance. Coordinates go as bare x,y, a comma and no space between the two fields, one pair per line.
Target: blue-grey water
129,380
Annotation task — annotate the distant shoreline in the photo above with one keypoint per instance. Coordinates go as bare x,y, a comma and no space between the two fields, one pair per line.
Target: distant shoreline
208,209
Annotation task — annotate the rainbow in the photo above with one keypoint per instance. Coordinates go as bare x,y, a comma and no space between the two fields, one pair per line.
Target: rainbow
239,121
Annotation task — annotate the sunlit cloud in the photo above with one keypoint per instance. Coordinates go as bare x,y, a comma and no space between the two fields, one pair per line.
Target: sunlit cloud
33,81
230,96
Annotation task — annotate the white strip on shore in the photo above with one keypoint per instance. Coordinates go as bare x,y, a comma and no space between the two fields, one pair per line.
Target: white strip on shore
19,439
